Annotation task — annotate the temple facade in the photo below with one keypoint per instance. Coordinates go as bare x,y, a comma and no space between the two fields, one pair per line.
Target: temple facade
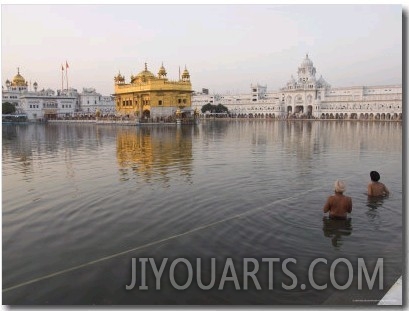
152,96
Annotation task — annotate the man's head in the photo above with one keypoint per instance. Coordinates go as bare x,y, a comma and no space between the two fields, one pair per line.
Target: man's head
375,176
339,186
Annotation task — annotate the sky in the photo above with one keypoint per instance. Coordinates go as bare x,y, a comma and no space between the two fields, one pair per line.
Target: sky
226,48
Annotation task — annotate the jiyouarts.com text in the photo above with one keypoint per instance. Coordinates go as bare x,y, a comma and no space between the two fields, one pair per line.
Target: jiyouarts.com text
249,271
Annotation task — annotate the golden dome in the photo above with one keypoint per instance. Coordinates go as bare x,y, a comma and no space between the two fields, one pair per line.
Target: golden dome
18,80
145,73
162,71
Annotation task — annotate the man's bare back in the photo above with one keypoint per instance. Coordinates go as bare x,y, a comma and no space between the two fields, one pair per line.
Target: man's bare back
338,205
377,189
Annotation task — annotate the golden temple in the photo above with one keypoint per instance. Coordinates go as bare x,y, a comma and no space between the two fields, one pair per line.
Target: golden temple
149,96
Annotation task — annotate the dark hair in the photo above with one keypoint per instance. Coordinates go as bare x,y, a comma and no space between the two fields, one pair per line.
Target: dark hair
375,176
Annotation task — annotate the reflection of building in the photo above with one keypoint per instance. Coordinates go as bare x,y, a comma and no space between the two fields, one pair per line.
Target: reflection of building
309,97
155,151
153,96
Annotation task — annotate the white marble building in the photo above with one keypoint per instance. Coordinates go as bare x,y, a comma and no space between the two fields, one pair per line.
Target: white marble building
14,89
309,97
48,104
38,104
91,102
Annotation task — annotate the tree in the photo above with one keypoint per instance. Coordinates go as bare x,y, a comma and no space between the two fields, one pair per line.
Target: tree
207,107
8,108
213,108
220,108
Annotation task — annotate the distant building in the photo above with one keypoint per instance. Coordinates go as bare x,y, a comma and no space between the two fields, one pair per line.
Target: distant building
150,96
38,104
14,89
48,104
90,102
308,97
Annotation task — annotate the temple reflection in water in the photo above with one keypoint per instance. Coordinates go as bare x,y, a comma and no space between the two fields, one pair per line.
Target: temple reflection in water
155,152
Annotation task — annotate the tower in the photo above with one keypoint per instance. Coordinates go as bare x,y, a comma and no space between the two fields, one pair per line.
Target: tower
306,71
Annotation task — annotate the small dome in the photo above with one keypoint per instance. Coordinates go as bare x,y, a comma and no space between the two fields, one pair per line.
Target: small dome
185,74
306,62
162,71
119,78
322,82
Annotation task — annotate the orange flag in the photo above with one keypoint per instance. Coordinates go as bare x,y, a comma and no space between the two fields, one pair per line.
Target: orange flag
66,65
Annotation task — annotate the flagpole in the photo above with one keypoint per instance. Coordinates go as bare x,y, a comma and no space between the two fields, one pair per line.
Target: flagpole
66,73
62,78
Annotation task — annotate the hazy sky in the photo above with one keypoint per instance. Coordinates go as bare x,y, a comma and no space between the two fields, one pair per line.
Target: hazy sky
226,48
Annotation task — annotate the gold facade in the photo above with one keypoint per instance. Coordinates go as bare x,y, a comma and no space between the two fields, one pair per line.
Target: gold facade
146,91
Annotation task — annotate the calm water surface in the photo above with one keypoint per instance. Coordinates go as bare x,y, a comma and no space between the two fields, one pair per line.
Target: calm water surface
80,201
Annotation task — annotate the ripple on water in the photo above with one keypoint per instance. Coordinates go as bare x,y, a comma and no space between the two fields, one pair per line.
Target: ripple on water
239,189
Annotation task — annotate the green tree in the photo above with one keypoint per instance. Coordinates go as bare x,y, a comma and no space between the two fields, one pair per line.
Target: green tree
8,108
213,108
207,107
220,108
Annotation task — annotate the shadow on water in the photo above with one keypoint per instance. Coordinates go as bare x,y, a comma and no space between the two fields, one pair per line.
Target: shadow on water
336,229
372,213
375,202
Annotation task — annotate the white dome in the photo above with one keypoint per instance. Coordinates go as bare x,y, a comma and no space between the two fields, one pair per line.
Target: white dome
306,62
